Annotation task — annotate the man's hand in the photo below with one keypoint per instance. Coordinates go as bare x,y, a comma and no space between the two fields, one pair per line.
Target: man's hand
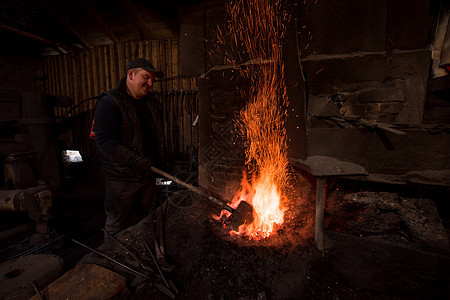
127,157
145,165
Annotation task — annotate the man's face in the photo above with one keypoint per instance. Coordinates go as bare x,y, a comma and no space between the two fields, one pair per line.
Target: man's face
139,82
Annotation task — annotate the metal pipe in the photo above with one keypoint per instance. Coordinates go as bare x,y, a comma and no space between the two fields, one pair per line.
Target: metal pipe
35,249
112,259
143,266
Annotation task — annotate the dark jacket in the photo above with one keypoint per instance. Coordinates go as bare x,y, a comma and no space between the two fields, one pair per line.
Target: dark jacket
119,135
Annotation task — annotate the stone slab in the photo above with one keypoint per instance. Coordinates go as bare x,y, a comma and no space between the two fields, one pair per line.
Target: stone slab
325,74
391,108
405,64
382,95
327,166
16,275
383,152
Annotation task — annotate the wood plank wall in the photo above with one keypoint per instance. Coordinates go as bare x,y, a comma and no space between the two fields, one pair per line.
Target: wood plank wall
83,76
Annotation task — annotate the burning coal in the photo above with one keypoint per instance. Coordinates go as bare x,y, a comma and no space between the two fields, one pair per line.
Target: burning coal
256,29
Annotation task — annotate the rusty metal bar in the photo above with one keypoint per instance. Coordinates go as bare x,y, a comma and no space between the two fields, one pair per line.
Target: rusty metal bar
112,259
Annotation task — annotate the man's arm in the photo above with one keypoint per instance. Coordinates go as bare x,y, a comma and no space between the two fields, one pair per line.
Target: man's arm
106,126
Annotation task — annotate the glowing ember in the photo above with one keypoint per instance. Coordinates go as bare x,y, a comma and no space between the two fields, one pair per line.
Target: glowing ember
258,27
266,201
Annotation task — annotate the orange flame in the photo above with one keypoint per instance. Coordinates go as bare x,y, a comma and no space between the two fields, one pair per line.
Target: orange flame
265,198
258,26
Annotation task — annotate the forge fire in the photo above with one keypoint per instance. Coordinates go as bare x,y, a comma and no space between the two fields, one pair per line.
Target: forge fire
257,26
235,149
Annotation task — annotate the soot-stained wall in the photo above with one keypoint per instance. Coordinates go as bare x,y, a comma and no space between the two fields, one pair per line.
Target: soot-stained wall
364,61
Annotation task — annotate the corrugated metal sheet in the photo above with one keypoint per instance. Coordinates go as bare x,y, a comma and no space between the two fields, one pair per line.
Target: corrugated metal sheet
87,74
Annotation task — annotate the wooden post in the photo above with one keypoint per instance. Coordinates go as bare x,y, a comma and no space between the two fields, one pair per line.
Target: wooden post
320,205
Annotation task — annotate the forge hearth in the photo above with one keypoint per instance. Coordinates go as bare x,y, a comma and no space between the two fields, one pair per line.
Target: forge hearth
410,222
387,238
211,263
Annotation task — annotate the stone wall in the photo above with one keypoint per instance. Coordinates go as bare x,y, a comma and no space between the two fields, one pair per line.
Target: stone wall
374,53
371,53
361,60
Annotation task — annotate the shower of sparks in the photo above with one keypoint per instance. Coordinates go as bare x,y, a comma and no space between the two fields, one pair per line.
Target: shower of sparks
256,29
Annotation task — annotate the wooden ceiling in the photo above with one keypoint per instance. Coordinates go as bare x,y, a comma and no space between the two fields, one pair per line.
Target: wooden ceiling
58,27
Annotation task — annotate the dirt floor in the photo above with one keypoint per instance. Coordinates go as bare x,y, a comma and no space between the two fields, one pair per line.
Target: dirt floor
211,264
381,243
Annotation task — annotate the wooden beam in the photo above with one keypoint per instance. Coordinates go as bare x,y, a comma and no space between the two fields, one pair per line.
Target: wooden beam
37,37
137,16
147,16
105,26
85,281
65,23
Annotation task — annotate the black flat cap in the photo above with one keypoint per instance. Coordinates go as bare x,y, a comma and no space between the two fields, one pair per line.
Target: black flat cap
144,64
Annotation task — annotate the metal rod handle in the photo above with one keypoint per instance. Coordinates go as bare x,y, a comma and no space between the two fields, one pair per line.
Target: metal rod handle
193,189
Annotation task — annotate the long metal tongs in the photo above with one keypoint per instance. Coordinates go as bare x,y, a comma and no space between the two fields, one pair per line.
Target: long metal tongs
143,265
166,290
169,284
